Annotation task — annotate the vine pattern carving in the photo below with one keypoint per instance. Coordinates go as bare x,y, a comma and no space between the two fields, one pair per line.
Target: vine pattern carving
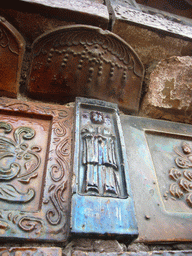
181,187
6,42
55,203
57,174
15,150
29,224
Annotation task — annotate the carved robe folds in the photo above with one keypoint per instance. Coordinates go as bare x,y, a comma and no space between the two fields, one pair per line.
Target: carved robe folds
99,160
102,200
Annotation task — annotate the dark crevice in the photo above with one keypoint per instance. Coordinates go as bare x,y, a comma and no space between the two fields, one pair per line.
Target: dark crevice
111,14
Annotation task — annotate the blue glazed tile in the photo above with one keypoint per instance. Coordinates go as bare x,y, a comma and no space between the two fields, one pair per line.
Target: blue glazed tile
102,201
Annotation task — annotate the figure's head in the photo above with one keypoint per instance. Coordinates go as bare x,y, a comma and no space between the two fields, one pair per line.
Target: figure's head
186,148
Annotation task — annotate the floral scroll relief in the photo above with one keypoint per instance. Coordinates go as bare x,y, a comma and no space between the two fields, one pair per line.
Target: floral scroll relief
181,188
17,155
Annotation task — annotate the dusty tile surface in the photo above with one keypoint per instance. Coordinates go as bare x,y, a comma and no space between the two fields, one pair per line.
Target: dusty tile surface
159,158
35,152
102,202
85,61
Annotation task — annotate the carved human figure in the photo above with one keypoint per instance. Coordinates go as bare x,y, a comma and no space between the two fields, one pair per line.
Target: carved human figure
107,161
99,160
90,158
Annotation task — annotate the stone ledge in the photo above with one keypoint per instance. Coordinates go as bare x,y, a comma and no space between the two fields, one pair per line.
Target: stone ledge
152,37
33,19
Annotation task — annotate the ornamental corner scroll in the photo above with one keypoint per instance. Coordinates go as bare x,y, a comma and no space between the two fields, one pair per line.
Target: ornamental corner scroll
181,175
35,152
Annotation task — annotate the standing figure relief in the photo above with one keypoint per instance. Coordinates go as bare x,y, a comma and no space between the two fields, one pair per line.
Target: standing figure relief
99,161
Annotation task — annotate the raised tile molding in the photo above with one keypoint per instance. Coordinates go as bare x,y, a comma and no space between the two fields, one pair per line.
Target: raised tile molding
102,201
154,21
31,251
92,12
86,61
153,35
35,152
12,46
159,155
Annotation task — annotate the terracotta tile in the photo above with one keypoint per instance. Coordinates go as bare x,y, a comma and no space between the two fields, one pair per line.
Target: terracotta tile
35,149
30,251
85,61
12,47
159,157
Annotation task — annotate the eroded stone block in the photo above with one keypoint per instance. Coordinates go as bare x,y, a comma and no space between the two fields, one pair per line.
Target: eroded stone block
87,7
12,46
35,151
151,253
180,8
86,61
24,251
169,94
151,36
102,201
33,18
159,157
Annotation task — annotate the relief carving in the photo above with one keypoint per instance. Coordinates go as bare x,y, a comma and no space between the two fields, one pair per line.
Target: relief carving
99,157
101,201
181,188
35,152
11,152
101,172
86,61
